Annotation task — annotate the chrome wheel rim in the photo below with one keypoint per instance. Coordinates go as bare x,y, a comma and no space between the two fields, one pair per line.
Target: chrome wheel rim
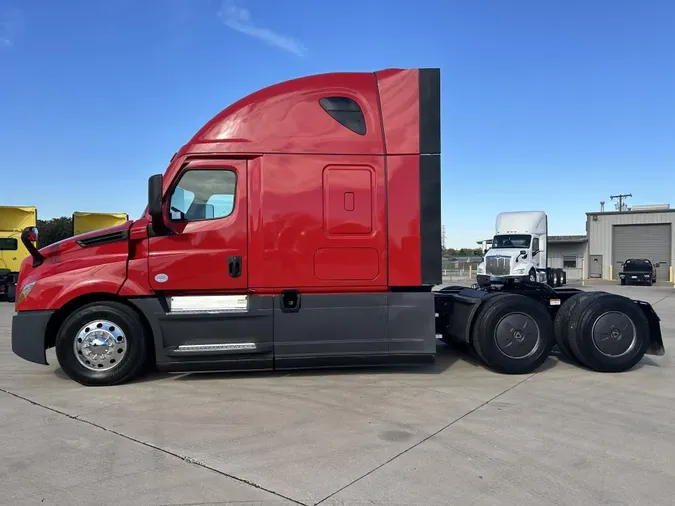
100,345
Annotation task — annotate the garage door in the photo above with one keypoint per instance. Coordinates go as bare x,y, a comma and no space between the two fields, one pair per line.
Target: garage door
642,241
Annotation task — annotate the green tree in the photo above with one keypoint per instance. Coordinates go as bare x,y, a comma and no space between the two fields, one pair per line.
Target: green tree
54,230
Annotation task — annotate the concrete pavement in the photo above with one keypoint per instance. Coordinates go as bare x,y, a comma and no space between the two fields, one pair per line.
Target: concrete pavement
455,433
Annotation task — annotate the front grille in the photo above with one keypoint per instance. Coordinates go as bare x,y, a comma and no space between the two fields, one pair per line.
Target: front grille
497,266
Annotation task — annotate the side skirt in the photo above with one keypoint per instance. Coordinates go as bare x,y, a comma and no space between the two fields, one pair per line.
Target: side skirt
233,333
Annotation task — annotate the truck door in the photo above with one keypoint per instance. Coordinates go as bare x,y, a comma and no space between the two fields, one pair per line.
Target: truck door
203,308
206,207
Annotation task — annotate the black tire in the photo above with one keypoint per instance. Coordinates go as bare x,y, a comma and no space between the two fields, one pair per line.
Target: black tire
561,322
550,278
564,277
492,333
127,322
532,276
623,282
620,339
11,293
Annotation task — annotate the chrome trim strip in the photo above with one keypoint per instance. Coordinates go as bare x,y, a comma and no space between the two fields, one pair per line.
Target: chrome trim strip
216,347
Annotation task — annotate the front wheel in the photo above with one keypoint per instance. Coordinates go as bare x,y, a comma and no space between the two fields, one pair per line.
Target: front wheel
512,334
103,343
532,276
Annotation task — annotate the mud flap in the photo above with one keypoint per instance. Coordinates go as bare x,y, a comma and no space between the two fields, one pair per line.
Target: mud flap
656,338
28,335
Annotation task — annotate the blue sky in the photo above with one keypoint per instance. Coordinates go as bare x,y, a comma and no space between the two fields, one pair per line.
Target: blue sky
546,105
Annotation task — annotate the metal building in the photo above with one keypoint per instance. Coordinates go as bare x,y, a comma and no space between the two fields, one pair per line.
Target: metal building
616,236
568,252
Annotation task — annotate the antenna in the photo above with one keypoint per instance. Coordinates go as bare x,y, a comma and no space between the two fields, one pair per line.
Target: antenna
602,206
621,206
443,237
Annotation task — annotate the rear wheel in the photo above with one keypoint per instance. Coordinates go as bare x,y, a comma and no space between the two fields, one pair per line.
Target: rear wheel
512,334
561,321
608,333
11,293
103,343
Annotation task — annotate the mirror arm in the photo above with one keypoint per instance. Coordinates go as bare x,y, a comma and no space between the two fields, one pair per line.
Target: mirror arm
155,207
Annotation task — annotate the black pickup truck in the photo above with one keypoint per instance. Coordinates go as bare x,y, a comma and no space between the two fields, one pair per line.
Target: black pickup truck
638,271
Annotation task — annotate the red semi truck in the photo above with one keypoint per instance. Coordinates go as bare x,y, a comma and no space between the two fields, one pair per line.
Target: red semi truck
300,227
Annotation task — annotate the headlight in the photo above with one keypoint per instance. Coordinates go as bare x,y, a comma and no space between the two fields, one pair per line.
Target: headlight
519,271
481,269
25,292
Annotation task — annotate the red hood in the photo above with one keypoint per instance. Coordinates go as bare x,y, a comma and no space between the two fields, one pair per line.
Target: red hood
75,267
66,245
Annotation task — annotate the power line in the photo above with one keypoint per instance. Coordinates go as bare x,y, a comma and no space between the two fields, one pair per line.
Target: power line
621,206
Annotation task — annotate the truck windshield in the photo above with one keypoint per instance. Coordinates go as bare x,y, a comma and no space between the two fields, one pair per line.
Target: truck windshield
8,244
637,265
511,241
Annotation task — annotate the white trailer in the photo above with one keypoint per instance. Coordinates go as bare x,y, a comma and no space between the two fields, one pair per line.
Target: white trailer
520,250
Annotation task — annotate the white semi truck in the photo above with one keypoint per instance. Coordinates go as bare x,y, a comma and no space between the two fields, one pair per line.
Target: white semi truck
520,250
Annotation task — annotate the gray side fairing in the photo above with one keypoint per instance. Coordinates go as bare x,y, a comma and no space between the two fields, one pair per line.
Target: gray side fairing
326,330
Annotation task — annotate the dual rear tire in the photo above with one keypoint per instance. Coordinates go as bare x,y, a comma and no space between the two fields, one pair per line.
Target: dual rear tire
514,334
556,278
602,331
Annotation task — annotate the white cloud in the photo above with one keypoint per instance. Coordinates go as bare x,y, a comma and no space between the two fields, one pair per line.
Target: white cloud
10,26
240,19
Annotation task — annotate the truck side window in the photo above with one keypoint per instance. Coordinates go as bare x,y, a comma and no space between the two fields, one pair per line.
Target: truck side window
346,112
535,244
9,244
203,194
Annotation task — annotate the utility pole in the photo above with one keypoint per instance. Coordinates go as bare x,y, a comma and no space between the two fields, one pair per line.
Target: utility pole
443,237
621,197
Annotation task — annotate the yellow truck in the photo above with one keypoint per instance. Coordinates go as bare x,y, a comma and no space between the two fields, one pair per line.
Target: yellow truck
86,222
13,219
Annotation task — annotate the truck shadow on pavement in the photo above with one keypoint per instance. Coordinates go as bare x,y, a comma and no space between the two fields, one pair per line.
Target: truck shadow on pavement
446,358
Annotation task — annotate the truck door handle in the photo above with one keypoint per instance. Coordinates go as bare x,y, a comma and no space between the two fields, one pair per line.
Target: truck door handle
234,266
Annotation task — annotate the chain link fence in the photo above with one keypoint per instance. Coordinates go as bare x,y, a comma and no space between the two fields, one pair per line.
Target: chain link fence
460,270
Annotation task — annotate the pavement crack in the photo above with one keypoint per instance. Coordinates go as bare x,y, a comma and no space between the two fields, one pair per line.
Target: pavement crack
184,458
663,298
459,418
